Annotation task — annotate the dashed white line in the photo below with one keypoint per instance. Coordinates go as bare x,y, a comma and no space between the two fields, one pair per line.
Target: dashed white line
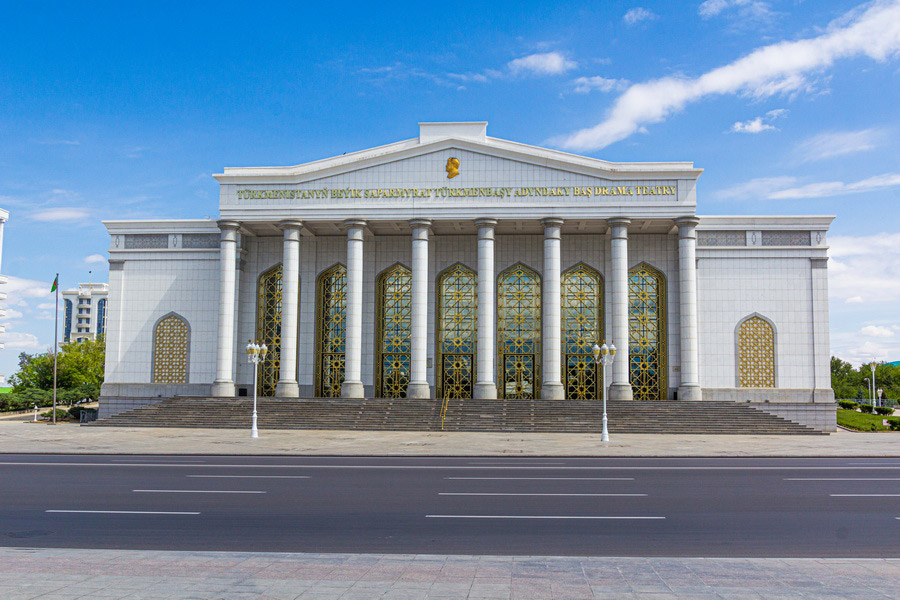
253,476
542,478
125,512
201,491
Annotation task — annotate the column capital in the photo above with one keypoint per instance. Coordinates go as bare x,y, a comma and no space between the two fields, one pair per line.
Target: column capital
552,222
486,222
355,223
227,224
686,223
416,223
618,221
290,224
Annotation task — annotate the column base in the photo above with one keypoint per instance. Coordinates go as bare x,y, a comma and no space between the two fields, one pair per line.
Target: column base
620,391
691,393
553,391
486,390
418,390
352,389
222,389
287,389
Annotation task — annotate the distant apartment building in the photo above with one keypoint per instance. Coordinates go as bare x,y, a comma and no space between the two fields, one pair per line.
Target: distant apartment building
85,311
4,215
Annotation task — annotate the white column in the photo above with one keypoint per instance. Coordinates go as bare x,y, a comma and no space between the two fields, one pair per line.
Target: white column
551,376
418,385
485,384
223,386
352,386
620,387
689,389
290,302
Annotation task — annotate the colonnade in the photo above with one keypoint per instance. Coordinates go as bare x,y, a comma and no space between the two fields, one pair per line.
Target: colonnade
486,384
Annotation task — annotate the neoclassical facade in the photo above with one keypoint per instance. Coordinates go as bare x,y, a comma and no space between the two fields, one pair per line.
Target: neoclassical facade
457,265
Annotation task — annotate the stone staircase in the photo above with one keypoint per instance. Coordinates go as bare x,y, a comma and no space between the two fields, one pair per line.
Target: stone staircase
561,416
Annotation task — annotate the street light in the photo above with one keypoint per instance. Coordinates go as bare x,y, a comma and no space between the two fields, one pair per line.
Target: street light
604,355
880,396
256,353
874,401
868,387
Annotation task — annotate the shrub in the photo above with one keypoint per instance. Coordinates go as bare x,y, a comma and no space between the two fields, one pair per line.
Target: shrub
894,423
866,408
884,410
848,404
61,414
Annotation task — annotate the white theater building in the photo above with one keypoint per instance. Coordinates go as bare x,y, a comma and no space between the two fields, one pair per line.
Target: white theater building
457,265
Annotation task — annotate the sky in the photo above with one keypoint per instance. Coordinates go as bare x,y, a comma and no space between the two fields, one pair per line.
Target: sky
121,110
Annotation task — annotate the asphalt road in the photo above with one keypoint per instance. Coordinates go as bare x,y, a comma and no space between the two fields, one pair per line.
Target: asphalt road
487,506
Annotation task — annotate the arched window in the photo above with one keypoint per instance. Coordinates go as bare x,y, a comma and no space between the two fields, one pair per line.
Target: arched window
394,328
331,336
582,327
755,352
101,316
456,332
519,332
67,327
268,327
647,332
171,348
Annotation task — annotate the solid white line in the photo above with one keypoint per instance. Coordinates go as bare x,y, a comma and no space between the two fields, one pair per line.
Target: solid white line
124,512
200,491
865,495
445,467
841,479
253,476
503,462
544,478
527,517
518,494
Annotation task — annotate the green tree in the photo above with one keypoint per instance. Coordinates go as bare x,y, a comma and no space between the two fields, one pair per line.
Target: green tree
849,383
79,370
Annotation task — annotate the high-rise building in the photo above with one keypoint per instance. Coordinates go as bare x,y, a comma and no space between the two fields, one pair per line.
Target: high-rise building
85,311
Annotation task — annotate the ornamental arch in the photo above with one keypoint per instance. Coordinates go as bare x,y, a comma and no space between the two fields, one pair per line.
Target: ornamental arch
755,352
519,332
331,331
268,326
581,287
393,331
647,325
171,349
457,307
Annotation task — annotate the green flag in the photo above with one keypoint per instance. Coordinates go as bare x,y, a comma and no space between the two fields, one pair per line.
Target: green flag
55,283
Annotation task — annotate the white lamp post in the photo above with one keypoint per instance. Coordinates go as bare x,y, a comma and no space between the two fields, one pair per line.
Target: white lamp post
604,355
874,400
256,353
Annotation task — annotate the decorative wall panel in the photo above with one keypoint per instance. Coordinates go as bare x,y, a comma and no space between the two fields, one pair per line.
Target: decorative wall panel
142,241
785,238
756,353
200,240
721,238
171,346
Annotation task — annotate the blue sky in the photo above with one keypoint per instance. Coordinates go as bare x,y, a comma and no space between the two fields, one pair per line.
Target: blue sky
122,110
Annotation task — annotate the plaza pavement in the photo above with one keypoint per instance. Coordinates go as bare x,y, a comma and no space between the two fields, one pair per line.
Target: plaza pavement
19,436
155,575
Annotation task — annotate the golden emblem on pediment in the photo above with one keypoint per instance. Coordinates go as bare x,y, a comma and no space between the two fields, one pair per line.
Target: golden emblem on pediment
452,167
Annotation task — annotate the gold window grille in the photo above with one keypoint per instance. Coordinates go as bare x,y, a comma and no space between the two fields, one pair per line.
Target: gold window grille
756,353
456,316
582,327
647,333
394,331
268,327
331,335
171,346
519,332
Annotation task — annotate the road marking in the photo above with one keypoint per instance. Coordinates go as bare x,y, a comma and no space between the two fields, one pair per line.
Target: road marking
200,491
154,460
841,479
518,494
529,517
125,512
446,467
543,478
865,495
503,462
253,476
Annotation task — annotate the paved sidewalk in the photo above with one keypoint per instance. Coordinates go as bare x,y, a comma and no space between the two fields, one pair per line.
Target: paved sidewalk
23,437
26,574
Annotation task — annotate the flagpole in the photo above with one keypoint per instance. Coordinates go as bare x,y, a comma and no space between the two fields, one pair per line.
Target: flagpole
55,344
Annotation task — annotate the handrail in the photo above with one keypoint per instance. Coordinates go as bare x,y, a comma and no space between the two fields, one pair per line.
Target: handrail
444,405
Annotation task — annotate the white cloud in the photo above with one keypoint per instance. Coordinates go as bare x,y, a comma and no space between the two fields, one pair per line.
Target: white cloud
638,14
12,313
17,340
60,214
60,143
755,189
583,85
759,124
864,269
876,331
825,189
46,305
747,10
17,289
543,63
838,143
94,258
783,67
